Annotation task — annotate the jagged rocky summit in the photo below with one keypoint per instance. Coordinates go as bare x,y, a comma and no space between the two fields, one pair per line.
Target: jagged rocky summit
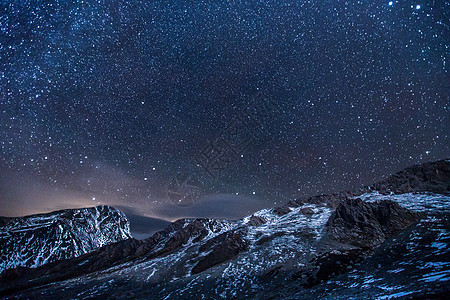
36,240
386,240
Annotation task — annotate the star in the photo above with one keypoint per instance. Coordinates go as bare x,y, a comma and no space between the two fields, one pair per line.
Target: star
99,99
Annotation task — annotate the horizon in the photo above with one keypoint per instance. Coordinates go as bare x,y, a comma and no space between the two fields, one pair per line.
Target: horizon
154,106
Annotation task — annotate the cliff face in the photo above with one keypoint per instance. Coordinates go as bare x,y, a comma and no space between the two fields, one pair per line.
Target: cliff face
35,240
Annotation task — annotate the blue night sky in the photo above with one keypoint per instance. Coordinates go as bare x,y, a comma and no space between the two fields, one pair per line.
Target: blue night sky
106,102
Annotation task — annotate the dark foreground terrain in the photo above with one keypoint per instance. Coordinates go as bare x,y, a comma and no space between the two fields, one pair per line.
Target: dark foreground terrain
383,241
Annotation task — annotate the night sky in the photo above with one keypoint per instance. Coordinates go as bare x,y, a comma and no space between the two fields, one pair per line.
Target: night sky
112,102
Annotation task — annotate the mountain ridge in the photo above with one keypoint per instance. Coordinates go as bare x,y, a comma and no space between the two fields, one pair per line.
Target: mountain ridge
300,245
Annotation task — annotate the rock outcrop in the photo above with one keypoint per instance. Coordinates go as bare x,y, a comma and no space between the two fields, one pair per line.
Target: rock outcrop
220,249
431,177
362,224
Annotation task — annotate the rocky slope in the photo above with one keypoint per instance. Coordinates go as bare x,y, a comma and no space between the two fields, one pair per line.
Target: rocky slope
35,240
367,243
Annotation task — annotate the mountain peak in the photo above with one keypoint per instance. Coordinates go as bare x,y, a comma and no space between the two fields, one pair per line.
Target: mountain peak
59,235
433,177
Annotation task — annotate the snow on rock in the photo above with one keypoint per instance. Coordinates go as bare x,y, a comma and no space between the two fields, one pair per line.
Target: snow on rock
371,243
32,241
423,202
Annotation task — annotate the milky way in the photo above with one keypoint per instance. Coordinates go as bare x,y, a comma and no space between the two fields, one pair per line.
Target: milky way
106,102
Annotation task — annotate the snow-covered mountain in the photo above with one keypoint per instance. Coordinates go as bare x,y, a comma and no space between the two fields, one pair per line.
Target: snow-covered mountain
35,240
387,239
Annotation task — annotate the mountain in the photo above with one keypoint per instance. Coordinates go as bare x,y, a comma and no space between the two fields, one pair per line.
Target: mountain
386,240
36,240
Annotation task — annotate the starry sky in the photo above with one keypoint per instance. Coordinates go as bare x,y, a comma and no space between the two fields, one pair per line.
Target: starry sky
111,102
